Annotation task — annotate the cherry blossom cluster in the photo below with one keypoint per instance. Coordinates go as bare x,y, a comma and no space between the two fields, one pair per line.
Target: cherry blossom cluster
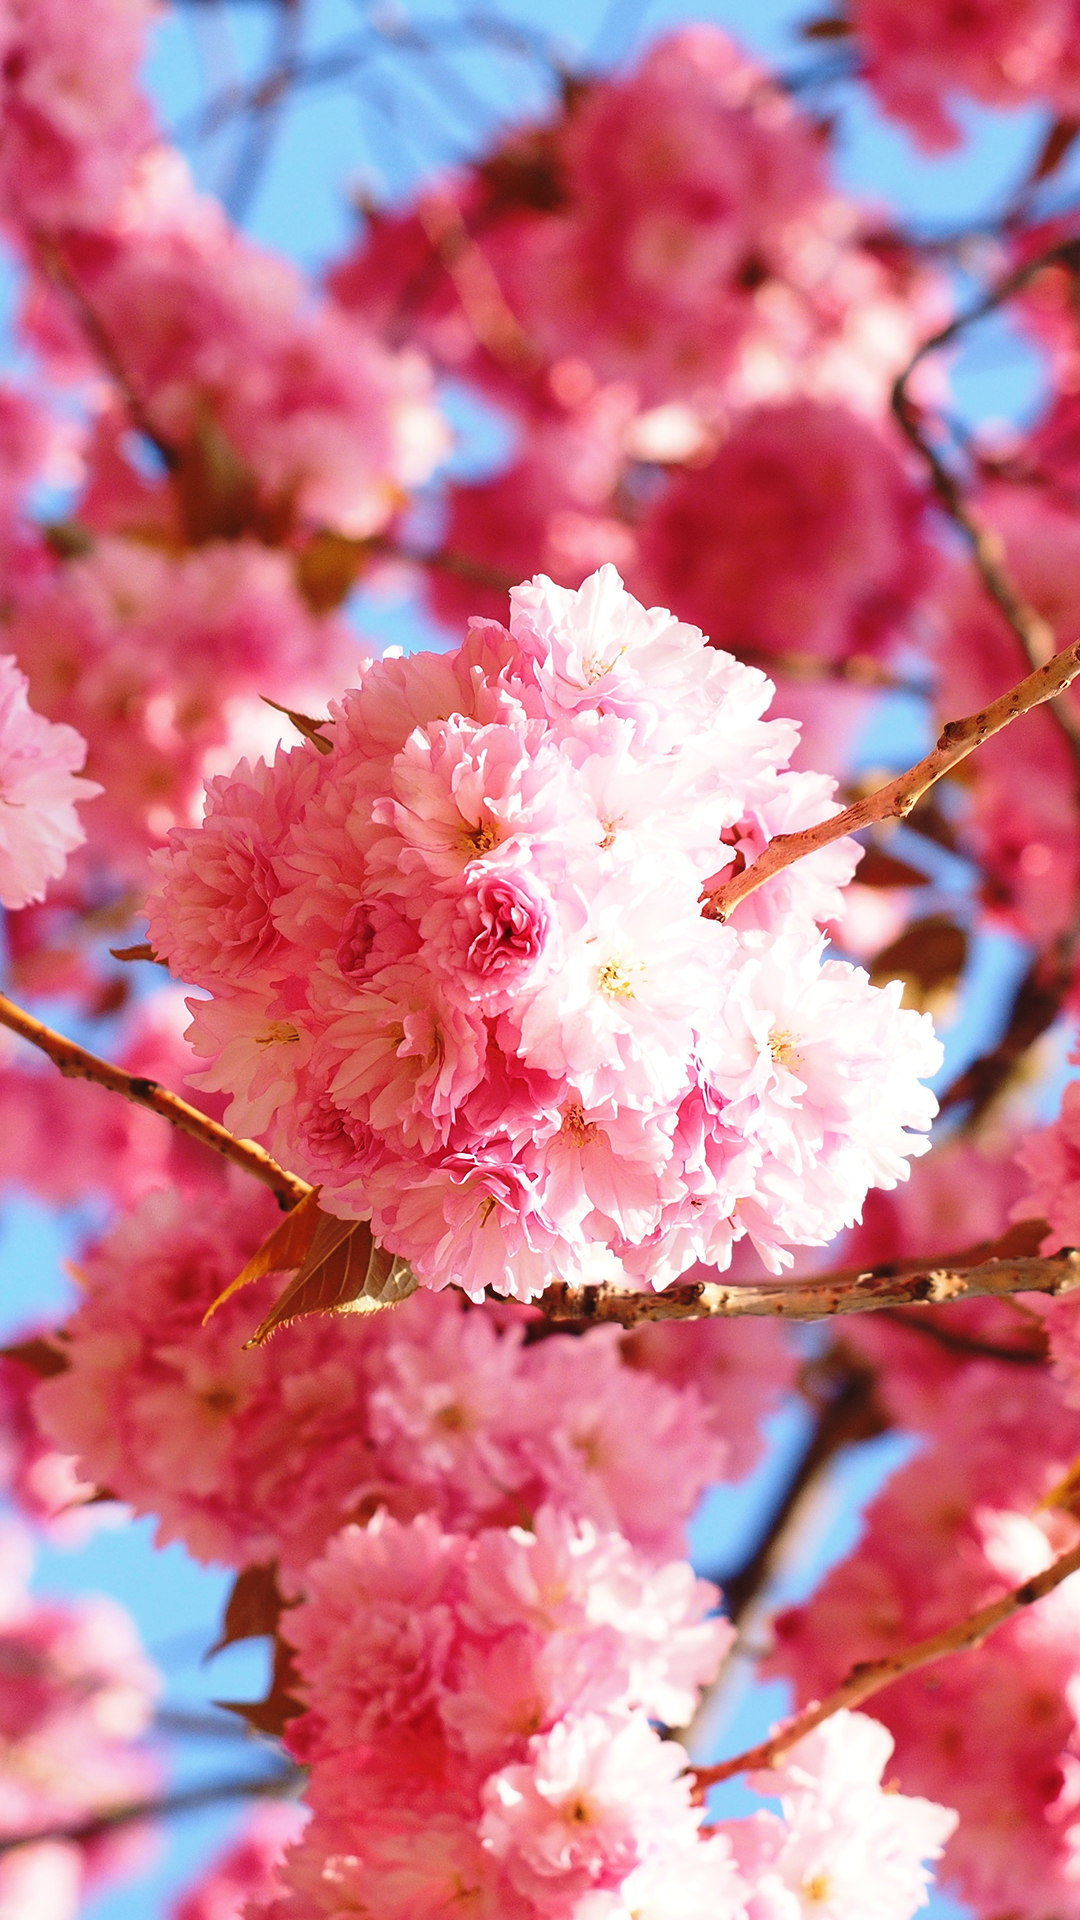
39,790
996,1729
462,979
919,57
694,333
479,1719
225,443
260,1455
78,1693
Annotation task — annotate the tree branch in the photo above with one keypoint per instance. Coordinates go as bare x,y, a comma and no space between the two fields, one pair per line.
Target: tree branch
817,1299
870,1676
895,800
848,1411
1036,636
77,1064
1035,1007
262,1786
56,268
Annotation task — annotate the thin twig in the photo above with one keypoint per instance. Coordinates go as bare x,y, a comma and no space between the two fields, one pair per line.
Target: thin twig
265,116
78,1064
868,1677
1036,1005
849,1412
262,1786
816,1299
56,268
895,800
1036,636
966,1345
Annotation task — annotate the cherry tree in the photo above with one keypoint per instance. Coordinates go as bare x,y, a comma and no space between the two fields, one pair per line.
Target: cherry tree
497,1073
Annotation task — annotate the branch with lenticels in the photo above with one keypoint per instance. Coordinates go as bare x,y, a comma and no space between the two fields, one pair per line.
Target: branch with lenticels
870,1676
78,1064
895,800
992,1270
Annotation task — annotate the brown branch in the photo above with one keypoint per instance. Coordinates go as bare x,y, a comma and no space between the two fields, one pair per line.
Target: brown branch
1035,1007
77,1064
895,800
848,1411
483,302
820,1298
261,1786
1036,636
966,1345
870,1676
56,268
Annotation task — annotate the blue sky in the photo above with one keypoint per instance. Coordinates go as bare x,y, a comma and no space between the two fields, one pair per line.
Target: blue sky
375,130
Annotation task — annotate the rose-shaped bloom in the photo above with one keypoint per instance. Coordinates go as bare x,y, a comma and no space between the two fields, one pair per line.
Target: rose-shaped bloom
498,935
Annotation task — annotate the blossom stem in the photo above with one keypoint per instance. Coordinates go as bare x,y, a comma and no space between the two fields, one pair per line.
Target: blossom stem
821,1297
868,1677
895,800
78,1064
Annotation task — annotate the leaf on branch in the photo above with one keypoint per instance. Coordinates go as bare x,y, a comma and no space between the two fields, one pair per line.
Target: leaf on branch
344,1272
831,26
303,724
144,951
329,567
928,957
879,869
252,1610
1066,1495
1054,149
280,1705
216,488
39,1355
68,539
282,1249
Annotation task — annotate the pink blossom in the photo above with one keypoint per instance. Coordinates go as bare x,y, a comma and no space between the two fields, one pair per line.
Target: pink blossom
1004,52
846,1845
554,510
151,658
803,536
43,1484
584,1807
684,182
225,922
78,1693
1051,1159
110,1146
73,121
247,1870
994,1730
312,417
252,1456
246,1456
497,934
39,790
740,1368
